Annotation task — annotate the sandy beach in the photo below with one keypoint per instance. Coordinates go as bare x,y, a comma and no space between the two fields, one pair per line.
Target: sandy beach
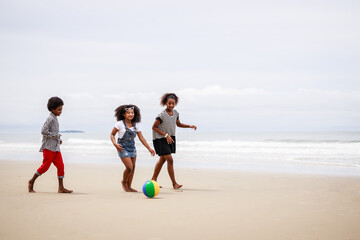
213,204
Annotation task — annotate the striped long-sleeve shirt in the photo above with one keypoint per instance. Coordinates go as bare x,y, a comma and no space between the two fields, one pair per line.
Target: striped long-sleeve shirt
50,132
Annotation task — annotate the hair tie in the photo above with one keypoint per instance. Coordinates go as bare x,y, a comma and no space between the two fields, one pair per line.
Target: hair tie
171,96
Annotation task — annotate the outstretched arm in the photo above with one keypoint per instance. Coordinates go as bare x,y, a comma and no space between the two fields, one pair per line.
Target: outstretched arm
144,142
182,125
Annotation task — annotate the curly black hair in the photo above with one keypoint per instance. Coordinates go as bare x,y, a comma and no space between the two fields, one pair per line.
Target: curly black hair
54,103
167,96
120,111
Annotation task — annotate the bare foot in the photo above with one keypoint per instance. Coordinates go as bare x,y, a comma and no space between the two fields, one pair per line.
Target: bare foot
64,190
177,186
125,187
132,190
31,187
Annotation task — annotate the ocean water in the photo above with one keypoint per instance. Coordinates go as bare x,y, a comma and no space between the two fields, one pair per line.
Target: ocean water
332,153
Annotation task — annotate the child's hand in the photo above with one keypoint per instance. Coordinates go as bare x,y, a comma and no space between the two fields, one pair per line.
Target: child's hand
119,147
193,127
169,139
152,152
60,142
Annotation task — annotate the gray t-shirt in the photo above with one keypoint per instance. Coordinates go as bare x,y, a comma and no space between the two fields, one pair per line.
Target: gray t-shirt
167,124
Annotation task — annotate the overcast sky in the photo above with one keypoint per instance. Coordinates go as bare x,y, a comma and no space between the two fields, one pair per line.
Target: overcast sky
236,65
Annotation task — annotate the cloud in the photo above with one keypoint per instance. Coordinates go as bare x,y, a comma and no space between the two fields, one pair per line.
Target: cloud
255,108
256,98
79,95
254,64
214,107
217,90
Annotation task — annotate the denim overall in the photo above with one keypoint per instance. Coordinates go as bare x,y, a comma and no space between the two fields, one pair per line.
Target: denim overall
127,142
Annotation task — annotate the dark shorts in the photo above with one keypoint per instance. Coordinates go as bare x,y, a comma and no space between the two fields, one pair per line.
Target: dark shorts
163,148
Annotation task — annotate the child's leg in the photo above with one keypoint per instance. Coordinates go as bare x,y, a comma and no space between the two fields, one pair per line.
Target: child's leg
31,183
48,157
170,167
128,169
158,167
131,175
59,164
61,187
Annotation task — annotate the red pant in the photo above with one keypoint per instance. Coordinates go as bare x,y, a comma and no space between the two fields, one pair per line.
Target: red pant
52,157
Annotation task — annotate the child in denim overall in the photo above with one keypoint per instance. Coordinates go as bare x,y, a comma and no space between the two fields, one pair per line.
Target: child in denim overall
127,128
127,142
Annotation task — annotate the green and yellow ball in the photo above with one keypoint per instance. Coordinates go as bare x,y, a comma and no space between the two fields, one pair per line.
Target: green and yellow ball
151,188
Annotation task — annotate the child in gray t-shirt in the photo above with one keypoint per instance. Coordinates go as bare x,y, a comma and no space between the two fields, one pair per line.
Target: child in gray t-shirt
164,136
51,145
